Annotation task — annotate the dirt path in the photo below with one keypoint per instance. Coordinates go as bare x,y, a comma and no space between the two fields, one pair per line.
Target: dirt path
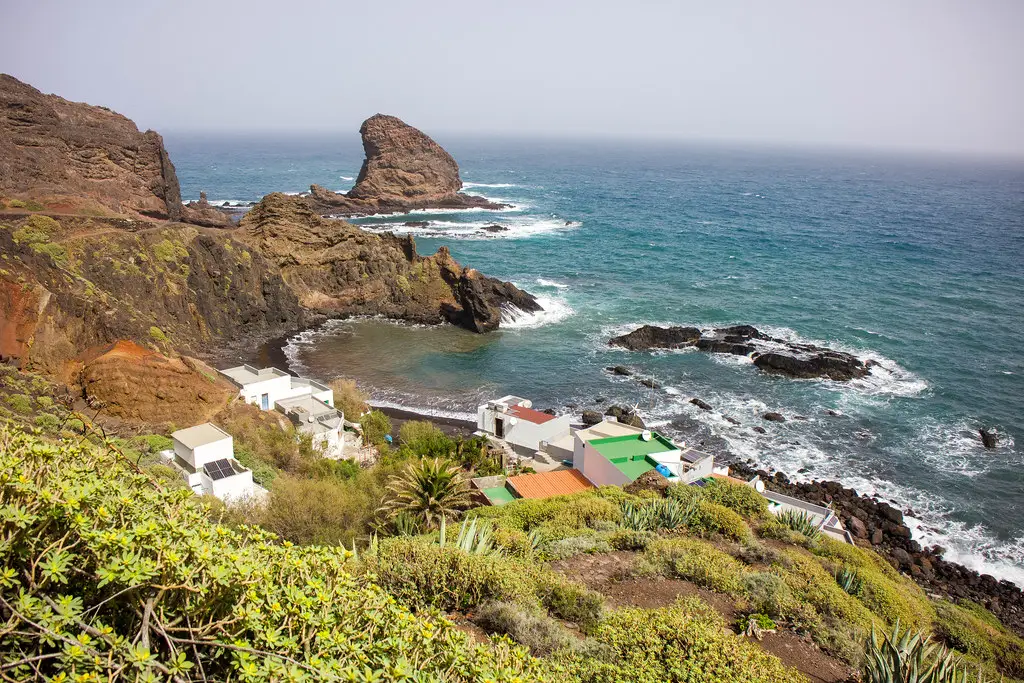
610,575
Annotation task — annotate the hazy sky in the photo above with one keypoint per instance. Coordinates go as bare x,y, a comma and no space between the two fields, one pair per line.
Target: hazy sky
928,74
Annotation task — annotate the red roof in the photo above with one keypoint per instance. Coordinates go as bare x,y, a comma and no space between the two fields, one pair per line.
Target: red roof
530,415
547,484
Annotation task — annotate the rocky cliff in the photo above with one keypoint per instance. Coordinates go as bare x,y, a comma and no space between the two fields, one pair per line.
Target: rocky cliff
337,269
404,169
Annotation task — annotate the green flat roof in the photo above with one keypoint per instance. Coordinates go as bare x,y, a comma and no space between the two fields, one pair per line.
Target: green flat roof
629,453
499,495
631,444
634,466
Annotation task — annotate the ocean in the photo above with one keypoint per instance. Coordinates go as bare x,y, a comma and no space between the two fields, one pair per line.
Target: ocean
915,262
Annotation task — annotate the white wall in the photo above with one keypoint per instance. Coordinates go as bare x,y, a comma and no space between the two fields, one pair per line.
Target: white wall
332,442
224,448
599,470
232,488
523,433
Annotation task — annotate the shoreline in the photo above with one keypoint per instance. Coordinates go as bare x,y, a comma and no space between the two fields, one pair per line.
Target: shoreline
948,579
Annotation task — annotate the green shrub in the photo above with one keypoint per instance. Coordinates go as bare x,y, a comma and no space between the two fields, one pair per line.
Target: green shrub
754,552
903,655
575,545
570,601
687,642
262,473
711,518
537,631
775,529
739,498
99,542
340,469
558,517
657,513
973,630
768,593
169,251
44,402
695,561
153,443
763,622
812,584
425,439
27,204
20,403
314,511
349,398
627,539
56,252
376,425
157,335
47,422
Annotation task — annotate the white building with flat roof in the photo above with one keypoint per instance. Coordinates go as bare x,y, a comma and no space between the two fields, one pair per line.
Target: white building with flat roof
320,420
205,456
513,420
266,386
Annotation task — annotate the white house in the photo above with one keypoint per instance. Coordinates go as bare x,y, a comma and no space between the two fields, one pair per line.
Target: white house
266,386
514,420
824,518
322,421
205,455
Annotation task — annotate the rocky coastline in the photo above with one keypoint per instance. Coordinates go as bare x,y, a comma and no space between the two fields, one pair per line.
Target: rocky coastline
770,354
879,525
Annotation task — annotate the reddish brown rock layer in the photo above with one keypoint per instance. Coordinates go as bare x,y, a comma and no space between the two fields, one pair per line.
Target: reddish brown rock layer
140,385
75,154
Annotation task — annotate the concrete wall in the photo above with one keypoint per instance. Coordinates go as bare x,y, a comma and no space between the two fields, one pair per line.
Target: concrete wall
699,470
332,443
234,488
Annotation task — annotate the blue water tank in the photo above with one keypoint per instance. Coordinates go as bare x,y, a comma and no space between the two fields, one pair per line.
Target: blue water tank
663,471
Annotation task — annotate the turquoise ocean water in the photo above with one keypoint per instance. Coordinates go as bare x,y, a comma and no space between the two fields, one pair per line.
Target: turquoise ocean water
917,263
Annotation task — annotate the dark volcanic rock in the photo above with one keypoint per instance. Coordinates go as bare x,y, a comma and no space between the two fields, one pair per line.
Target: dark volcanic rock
591,417
703,405
620,370
768,353
625,416
495,228
650,383
650,337
759,429
773,417
648,481
403,170
989,437
416,224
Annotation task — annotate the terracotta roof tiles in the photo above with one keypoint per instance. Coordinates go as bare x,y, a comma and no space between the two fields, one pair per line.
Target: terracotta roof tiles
548,484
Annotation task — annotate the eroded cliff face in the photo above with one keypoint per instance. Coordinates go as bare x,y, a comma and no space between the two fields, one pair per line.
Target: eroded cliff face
337,269
72,284
403,170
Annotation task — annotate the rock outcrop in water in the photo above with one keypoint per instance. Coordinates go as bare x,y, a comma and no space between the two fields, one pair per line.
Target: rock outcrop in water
338,269
773,355
404,170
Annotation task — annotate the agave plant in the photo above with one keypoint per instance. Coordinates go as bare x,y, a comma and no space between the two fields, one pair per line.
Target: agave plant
672,513
908,657
429,491
638,517
801,522
474,537
849,580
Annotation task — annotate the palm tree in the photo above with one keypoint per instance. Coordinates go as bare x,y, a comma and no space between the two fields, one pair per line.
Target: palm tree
429,490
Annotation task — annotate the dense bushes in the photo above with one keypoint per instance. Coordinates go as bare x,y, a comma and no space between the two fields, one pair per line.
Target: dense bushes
529,627
686,642
420,572
976,632
739,498
696,561
104,574
711,518
349,398
376,425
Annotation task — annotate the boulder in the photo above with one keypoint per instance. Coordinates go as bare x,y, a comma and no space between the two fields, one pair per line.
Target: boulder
857,527
648,481
651,337
591,417
703,405
773,417
759,429
650,383
989,437
620,370
625,416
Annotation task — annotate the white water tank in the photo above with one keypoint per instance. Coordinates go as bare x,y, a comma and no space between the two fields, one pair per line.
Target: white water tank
646,435
527,403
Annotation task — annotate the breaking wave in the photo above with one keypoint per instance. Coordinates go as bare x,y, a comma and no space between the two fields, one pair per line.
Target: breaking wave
519,228
498,185
554,310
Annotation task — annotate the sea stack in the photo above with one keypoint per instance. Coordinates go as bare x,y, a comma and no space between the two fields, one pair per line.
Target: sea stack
403,170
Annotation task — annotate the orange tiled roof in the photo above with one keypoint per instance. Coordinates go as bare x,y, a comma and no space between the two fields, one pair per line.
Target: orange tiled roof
547,484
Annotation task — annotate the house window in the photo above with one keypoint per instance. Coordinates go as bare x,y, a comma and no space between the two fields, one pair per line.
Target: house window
265,401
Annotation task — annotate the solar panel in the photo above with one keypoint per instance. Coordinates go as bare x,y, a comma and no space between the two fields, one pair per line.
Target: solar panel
218,469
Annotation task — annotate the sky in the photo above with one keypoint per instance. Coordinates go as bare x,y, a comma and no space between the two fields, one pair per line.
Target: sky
929,75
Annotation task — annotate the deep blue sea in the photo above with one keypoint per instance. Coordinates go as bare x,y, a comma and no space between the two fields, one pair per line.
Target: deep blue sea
917,263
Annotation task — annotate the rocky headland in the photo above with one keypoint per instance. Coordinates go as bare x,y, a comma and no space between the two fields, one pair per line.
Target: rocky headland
403,170
97,248
770,354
